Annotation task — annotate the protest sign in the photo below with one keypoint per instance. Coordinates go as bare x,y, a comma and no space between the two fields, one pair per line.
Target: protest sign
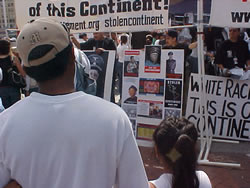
236,13
150,92
96,15
228,106
101,70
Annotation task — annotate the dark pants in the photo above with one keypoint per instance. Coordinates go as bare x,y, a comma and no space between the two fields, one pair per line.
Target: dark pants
9,96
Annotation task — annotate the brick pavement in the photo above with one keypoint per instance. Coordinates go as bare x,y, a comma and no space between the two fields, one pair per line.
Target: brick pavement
221,177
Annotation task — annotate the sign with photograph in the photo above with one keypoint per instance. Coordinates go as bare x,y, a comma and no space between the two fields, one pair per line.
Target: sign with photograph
101,70
96,15
152,91
228,106
152,59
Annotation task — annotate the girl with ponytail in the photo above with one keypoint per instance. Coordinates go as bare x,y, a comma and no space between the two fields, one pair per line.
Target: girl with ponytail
175,141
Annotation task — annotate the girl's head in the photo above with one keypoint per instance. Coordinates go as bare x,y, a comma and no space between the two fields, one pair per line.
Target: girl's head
4,47
175,141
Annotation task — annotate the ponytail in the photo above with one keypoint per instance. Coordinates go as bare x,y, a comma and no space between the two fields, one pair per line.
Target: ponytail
175,140
184,174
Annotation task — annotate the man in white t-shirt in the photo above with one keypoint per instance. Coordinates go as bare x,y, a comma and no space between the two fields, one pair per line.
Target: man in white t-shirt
61,138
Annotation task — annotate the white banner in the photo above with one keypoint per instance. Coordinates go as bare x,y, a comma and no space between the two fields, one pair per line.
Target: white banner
228,106
230,13
97,15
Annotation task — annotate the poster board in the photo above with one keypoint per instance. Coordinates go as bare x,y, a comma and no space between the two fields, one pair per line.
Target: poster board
236,13
96,15
101,70
149,91
228,106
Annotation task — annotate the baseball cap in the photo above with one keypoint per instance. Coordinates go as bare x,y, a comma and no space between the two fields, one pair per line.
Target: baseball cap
170,53
41,40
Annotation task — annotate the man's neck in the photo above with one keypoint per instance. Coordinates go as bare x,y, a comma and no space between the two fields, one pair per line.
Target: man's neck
233,40
56,87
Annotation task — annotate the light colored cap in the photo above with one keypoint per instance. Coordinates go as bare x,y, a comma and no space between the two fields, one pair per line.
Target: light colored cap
41,40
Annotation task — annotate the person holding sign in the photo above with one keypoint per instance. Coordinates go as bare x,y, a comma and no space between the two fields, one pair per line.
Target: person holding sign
175,141
232,53
61,138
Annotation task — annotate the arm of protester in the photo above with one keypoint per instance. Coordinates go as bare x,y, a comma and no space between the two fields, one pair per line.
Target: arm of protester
75,41
17,63
12,184
130,161
193,45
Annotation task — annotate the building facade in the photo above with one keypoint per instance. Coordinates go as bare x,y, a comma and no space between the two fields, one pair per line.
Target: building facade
10,16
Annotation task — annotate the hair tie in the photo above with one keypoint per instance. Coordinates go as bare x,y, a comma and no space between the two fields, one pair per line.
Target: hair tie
173,155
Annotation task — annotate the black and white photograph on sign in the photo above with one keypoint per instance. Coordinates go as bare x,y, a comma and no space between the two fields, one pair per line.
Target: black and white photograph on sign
173,93
134,126
130,110
131,66
130,88
175,64
151,86
150,109
152,59
172,113
98,68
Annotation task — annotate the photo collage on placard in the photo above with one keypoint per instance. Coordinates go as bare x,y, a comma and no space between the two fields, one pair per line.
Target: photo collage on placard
174,83
130,86
152,88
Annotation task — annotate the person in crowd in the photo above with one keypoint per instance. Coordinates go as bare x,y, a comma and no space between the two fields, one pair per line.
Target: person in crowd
115,38
155,37
57,141
175,141
31,86
132,95
83,37
232,53
162,39
184,36
122,47
172,43
149,39
8,93
98,43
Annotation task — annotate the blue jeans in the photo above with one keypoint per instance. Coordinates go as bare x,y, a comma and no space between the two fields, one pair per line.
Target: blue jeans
9,96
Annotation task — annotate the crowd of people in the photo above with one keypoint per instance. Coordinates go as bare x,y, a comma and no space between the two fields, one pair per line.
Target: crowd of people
59,136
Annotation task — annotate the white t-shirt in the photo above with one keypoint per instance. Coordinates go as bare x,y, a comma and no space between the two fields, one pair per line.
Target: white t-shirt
165,180
68,141
120,52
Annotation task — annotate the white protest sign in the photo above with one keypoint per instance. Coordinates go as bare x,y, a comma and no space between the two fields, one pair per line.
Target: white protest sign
96,15
228,106
230,13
